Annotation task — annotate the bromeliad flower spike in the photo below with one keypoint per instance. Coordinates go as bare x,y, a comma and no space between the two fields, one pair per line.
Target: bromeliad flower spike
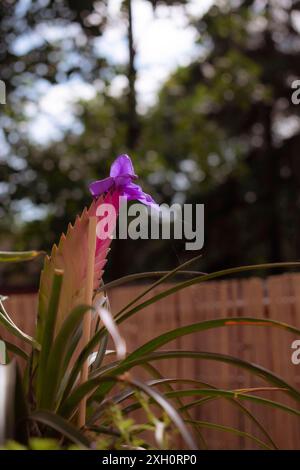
121,181
107,191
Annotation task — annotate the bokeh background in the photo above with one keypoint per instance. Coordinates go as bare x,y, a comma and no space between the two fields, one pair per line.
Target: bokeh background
198,92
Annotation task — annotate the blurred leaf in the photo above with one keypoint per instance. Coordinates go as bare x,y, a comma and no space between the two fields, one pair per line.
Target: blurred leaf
16,350
3,355
111,326
14,329
18,256
60,425
37,443
237,432
169,410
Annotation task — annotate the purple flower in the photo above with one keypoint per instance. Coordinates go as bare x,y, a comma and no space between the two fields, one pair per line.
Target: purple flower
121,180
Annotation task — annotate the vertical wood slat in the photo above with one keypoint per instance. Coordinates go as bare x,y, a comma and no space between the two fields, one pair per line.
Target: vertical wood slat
277,297
254,350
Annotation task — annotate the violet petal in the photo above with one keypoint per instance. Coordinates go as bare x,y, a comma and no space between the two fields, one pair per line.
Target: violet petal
101,186
134,192
122,166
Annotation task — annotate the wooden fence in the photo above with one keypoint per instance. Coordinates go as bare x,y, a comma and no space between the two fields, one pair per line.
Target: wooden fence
277,297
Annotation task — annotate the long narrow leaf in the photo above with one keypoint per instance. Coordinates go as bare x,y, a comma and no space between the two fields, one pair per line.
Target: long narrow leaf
14,329
211,394
164,278
145,275
165,338
161,401
250,367
206,277
232,394
167,385
17,256
110,325
48,332
15,349
56,362
179,332
62,426
237,432
100,353
184,408
3,353
115,369
169,410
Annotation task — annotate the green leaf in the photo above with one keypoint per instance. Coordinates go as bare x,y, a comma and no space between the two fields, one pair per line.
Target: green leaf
236,395
3,354
17,256
43,443
120,397
168,275
16,350
184,408
156,396
121,316
167,385
165,338
104,430
62,426
56,362
48,332
169,410
13,328
179,332
74,342
237,432
120,367
100,353
215,393
145,275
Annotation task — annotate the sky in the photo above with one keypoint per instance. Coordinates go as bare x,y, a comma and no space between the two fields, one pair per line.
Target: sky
163,40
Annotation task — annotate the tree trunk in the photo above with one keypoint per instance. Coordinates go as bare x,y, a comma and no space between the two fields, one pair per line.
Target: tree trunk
133,124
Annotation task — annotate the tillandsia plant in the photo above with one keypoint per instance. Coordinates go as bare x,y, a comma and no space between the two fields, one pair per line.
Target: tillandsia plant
72,391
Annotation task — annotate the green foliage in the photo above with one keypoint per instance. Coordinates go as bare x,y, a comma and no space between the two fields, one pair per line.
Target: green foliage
38,443
53,392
